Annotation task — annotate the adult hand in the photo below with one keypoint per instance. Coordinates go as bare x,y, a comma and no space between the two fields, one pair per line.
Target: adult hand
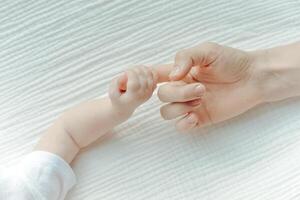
211,83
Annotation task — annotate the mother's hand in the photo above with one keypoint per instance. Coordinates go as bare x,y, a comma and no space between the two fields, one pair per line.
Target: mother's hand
211,83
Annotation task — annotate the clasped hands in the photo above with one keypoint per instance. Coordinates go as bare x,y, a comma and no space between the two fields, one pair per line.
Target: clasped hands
207,84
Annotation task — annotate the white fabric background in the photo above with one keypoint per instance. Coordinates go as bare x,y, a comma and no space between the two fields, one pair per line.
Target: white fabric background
54,54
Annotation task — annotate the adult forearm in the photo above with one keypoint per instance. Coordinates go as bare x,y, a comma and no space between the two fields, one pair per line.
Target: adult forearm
278,72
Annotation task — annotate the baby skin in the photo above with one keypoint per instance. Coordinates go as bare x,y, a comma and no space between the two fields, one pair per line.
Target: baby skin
85,123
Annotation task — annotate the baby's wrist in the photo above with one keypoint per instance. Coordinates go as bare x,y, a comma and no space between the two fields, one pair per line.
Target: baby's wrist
122,113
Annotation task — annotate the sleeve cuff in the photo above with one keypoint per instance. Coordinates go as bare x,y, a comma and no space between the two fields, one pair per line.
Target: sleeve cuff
47,164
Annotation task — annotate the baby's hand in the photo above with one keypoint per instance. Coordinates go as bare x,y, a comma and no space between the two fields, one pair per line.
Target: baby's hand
132,88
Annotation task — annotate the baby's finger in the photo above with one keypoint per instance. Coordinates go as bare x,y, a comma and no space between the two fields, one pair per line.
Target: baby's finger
133,83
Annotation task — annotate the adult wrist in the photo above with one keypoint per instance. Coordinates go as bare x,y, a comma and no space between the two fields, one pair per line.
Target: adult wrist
275,74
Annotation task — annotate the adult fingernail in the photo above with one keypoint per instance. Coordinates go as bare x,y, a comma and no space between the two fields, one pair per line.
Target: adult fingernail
195,102
199,90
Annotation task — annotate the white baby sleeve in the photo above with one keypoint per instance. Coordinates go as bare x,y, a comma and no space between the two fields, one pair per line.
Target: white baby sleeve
39,176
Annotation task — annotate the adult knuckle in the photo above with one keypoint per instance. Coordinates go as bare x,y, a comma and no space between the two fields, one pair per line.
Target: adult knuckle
212,51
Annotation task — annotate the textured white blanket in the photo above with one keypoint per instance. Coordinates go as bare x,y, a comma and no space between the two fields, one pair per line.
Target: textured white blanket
56,53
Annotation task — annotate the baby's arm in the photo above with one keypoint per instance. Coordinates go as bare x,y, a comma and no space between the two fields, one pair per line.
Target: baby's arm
83,124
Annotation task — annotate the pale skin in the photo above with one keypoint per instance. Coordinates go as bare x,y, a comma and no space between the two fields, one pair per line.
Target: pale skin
85,123
232,81
209,83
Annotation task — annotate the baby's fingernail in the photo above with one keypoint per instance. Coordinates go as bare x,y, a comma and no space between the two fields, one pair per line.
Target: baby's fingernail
175,71
199,90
